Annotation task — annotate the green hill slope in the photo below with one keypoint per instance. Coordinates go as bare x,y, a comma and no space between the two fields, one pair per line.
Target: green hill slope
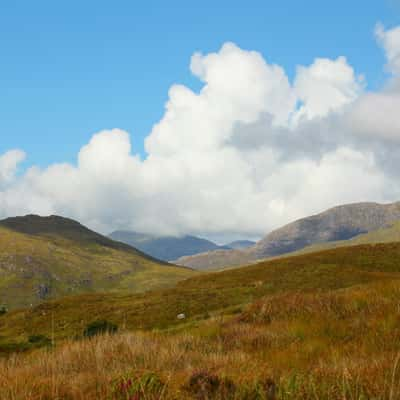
203,295
46,258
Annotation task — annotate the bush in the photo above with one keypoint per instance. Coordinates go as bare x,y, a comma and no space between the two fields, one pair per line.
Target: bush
3,310
39,340
10,348
139,386
203,385
100,327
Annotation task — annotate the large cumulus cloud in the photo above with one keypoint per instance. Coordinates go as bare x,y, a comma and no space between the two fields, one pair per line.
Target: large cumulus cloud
248,152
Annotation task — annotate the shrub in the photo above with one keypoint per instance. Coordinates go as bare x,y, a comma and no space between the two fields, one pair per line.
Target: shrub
3,310
261,390
9,348
39,340
100,327
146,385
203,385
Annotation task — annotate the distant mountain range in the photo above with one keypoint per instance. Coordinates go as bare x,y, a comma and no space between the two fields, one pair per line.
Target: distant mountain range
170,248
50,257
336,224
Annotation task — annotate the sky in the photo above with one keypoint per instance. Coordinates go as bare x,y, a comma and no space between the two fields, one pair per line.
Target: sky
223,120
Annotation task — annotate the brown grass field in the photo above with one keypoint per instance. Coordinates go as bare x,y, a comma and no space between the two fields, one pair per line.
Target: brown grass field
318,341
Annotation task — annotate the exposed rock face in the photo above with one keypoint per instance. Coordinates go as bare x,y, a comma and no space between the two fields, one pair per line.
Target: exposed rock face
338,223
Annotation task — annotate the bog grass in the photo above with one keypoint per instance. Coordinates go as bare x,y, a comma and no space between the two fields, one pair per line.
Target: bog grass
317,326
340,344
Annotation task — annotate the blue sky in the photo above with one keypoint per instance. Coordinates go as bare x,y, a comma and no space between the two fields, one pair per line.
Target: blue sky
284,126
70,69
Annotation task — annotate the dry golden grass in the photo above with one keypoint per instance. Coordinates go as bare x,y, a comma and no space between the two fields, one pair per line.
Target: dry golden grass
335,345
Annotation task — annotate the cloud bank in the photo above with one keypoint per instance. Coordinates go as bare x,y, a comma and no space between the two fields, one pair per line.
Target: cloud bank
250,151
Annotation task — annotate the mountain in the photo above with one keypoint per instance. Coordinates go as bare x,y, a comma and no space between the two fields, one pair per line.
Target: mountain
240,244
48,257
59,226
339,223
389,234
165,248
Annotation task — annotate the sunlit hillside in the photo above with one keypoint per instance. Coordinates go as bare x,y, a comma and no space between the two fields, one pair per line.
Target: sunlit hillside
47,258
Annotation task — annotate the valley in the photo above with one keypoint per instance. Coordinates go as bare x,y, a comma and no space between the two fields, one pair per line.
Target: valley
291,327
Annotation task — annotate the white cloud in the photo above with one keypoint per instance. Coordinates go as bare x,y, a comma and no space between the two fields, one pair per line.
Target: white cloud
376,115
325,86
8,165
238,86
239,157
390,41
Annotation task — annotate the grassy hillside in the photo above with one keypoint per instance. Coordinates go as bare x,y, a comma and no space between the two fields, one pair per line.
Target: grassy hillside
56,226
318,326
217,260
47,258
204,295
240,244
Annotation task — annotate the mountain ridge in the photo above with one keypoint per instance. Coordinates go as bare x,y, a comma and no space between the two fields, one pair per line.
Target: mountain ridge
68,228
167,248
388,234
337,223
